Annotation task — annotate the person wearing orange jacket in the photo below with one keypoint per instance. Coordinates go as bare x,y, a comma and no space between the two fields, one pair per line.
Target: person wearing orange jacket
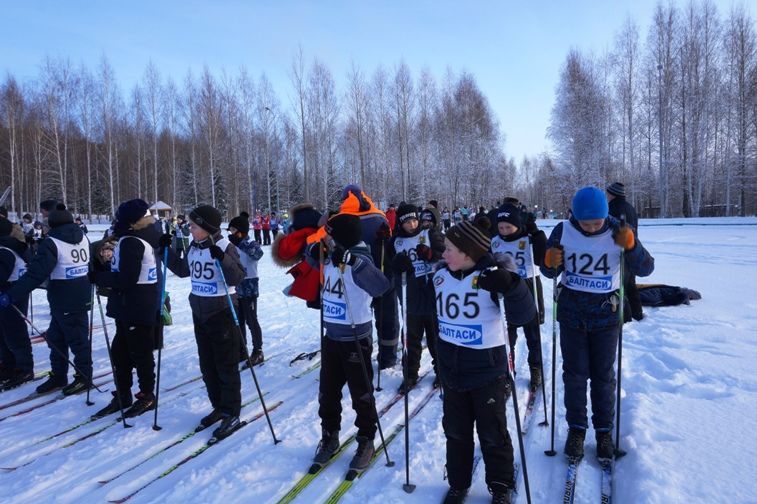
376,234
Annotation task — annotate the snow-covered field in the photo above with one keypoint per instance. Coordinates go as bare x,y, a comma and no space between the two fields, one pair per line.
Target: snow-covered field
688,422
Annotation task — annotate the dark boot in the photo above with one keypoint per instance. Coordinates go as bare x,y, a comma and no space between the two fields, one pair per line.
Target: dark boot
437,382
536,378
211,418
363,454
53,382
5,373
501,493
574,445
328,445
605,446
112,407
229,424
78,385
17,379
407,385
145,402
455,496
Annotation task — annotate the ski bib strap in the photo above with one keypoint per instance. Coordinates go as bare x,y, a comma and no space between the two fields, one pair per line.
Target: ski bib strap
19,266
206,279
408,246
148,273
521,252
592,263
468,317
338,290
73,259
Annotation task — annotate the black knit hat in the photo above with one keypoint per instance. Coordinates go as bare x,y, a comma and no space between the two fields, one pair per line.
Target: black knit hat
406,211
48,205
472,239
129,212
617,189
207,217
304,216
241,224
6,226
428,215
509,213
59,217
345,229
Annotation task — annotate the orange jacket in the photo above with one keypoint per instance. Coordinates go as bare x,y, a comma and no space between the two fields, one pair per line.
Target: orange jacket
351,205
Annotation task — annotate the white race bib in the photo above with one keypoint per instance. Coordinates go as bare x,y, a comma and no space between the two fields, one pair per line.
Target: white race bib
467,315
338,290
408,245
521,252
148,274
73,260
592,263
206,279
19,267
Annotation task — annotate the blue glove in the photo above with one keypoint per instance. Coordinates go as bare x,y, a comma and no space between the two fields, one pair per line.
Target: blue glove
5,300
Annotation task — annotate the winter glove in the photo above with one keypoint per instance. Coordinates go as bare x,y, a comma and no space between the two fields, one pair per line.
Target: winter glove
165,241
341,256
383,232
553,258
531,227
495,280
424,252
624,238
5,300
402,263
216,252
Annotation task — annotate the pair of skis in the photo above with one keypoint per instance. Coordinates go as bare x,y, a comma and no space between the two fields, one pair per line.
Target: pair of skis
607,467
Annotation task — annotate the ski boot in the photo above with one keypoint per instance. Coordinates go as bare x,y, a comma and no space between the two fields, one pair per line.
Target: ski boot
145,402
17,379
257,357
605,446
455,496
363,454
78,385
209,419
407,385
500,492
327,447
112,407
53,382
574,445
536,378
229,424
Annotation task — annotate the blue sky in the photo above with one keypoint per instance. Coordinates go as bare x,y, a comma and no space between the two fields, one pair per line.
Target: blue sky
514,48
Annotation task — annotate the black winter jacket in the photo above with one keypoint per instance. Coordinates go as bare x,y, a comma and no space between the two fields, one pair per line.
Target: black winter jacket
8,260
420,291
64,296
129,302
619,206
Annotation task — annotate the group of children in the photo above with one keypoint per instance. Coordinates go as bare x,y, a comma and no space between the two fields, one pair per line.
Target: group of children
465,289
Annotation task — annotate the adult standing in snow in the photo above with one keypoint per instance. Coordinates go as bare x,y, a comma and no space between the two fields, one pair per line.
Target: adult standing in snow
619,207
586,250
133,301
376,234
257,227
63,260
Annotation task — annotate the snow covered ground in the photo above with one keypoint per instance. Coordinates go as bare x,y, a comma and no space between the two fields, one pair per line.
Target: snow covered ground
688,422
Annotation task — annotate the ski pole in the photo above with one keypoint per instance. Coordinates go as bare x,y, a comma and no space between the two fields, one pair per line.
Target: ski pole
368,384
380,322
247,354
621,315
31,306
407,487
112,367
55,348
541,355
551,452
91,321
155,425
511,379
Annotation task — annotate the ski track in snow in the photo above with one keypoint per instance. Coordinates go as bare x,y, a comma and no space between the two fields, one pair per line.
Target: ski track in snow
688,418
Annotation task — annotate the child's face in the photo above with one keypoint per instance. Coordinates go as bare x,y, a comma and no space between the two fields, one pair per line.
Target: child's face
106,254
506,229
591,226
410,225
198,234
455,258
427,224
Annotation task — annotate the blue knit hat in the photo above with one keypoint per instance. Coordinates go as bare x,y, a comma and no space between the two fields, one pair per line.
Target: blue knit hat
590,203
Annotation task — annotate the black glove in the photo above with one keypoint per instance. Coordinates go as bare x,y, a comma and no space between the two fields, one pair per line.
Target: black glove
341,256
424,252
495,280
402,263
165,241
383,232
531,227
216,252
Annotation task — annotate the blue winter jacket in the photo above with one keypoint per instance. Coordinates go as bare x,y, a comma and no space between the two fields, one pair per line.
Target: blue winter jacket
589,311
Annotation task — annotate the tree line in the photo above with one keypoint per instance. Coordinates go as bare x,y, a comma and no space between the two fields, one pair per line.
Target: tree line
674,117
72,133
